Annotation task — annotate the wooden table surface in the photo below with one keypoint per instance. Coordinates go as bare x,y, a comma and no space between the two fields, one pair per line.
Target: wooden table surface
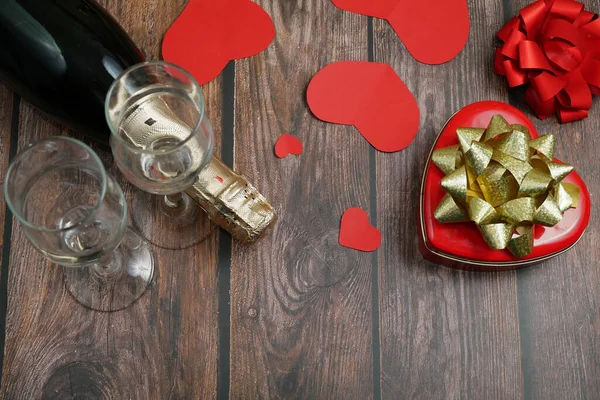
297,316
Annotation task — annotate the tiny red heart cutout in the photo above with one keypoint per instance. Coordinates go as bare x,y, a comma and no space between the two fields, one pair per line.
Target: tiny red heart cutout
286,145
461,245
356,232
208,34
370,96
433,31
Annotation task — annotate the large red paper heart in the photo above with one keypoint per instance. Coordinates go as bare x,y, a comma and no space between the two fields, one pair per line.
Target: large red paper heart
208,34
433,31
286,145
461,245
369,96
357,233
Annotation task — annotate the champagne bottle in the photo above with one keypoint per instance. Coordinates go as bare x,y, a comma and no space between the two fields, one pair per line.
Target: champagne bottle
63,55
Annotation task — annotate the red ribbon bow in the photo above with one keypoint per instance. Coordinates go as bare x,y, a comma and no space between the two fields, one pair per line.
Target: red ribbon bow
555,46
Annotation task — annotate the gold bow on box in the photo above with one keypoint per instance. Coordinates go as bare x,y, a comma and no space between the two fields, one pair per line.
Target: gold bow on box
505,182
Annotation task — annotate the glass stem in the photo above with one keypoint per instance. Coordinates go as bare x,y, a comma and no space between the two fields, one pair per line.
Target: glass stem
180,208
174,200
109,268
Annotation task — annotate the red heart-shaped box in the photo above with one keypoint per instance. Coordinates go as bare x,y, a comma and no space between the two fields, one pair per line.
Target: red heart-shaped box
461,245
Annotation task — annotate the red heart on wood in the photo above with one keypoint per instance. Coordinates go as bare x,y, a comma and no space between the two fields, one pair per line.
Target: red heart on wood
433,31
369,96
357,233
461,245
286,145
208,34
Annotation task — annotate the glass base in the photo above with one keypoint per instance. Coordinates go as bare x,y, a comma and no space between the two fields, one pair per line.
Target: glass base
117,285
172,223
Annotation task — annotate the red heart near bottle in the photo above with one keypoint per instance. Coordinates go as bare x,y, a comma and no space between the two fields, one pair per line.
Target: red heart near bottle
370,96
433,31
286,145
356,232
220,31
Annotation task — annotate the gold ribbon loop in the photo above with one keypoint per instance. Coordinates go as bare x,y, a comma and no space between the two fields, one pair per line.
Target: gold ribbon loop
456,184
544,145
497,126
448,211
478,157
516,144
535,183
522,245
498,235
559,171
447,158
481,212
573,191
517,168
518,210
548,214
505,184
563,198
497,185
466,136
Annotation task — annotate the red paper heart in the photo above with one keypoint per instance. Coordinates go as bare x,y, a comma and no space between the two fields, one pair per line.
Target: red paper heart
357,233
369,96
208,34
286,145
461,245
433,31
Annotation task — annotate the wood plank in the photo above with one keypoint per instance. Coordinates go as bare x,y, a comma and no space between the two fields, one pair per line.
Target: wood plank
444,334
301,304
559,301
6,111
165,345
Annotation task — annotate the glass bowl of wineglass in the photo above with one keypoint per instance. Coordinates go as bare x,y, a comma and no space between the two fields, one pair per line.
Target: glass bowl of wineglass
75,215
161,139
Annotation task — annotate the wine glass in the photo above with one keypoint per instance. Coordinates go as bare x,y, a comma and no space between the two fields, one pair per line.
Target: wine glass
161,140
75,215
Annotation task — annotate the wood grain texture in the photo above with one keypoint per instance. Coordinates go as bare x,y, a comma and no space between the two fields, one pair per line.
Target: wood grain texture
162,347
301,304
444,334
560,300
6,111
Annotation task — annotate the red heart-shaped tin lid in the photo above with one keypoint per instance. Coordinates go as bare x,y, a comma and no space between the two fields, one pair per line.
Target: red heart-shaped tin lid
461,244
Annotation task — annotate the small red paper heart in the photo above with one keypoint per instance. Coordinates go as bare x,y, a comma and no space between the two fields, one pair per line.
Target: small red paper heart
357,233
461,245
208,34
369,96
286,145
433,31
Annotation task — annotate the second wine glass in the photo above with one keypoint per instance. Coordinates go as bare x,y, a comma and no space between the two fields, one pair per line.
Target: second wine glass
161,139
75,215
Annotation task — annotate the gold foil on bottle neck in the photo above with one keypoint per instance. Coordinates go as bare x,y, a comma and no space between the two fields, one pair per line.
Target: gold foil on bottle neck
232,202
